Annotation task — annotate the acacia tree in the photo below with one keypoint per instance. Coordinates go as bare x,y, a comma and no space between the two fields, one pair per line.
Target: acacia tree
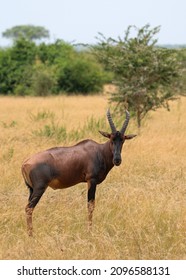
146,76
29,32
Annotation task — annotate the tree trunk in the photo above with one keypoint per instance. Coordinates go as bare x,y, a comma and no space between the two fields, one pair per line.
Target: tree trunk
138,117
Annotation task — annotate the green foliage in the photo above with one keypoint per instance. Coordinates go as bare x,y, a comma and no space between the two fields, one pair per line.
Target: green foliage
80,75
7,68
28,32
146,76
182,59
56,53
89,129
52,130
43,81
76,72
13,64
59,132
28,69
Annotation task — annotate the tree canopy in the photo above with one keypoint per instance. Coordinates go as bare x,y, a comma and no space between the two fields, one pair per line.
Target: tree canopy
29,32
146,76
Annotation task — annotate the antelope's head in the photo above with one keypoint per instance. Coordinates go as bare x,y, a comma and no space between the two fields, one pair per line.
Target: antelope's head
117,138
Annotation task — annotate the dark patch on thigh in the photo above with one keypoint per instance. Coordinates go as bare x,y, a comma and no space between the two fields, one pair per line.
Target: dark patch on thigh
41,174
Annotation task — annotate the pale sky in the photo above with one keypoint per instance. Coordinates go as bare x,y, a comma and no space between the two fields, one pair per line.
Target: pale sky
80,21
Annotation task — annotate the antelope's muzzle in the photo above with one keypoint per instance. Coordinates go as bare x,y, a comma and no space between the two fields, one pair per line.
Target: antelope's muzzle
117,161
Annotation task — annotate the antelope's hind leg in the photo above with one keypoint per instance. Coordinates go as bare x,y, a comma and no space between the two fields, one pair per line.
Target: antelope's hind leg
34,197
29,212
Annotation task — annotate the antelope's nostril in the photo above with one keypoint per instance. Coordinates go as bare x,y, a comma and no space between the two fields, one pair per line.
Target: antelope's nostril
117,162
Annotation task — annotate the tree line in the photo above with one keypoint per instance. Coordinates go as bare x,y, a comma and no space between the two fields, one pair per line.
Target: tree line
27,68
145,76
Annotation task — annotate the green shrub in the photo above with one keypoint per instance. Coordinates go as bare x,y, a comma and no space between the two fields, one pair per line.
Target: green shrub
52,54
43,80
81,75
13,63
7,74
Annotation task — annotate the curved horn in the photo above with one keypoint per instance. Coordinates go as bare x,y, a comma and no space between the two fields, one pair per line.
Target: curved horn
112,126
125,124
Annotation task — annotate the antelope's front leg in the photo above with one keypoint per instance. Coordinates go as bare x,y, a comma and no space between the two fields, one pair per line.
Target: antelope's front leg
91,200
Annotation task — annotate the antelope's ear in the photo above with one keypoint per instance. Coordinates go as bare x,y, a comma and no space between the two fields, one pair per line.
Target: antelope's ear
105,134
130,136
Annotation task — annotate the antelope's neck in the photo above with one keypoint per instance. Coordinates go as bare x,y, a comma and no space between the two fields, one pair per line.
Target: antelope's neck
108,155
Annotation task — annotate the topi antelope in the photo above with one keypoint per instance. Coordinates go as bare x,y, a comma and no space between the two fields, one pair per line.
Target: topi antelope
63,167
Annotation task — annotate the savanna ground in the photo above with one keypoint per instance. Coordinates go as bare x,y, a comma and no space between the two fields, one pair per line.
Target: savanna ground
140,207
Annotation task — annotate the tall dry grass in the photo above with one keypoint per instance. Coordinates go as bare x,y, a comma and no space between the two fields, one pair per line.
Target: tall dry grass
140,207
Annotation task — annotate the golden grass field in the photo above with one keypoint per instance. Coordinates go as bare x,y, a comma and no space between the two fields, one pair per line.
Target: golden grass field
140,207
